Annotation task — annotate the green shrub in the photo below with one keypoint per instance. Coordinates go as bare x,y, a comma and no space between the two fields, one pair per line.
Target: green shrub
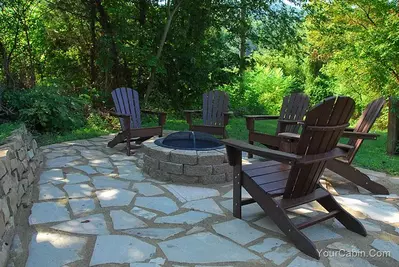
263,91
44,109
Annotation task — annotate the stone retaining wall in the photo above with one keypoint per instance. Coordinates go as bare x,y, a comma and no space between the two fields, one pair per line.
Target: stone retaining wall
20,159
186,166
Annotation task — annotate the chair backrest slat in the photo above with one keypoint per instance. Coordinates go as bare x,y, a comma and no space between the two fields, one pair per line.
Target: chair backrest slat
365,123
294,107
215,103
334,113
126,101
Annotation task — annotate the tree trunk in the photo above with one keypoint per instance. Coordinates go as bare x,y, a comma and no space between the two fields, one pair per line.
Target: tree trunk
393,126
143,9
243,43
93,38
151,82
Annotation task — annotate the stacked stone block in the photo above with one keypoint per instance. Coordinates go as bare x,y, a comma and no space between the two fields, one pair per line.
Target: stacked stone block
20,158
186,166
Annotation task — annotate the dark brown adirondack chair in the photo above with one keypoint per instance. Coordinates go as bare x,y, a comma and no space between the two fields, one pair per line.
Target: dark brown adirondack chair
215,114
289,179
291,115
127,109
357,135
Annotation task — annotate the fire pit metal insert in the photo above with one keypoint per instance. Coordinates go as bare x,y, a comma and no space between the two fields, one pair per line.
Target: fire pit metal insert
190,141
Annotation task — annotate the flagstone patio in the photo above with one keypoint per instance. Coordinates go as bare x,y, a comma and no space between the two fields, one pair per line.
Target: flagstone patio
93,207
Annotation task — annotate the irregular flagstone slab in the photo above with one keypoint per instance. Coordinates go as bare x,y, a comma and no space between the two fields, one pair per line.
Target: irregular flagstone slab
104,170
147,189
159,261
54,176
195,229
47,212
348,262
49,191
155,233
53,155
384,246
115,197
343,246
190,217
281,254
86,168
319,232
390,196
144,264
61,161
249,212
316,232
162,204
205,248
143,213
78,190
120,157
299,262
123,220
93,154
51,249
104,182
238,231
244,194
103,163
120,249
369,226
81,205
90,225
371,207
130,172
190,193
267,245
134,176
206,205
76,178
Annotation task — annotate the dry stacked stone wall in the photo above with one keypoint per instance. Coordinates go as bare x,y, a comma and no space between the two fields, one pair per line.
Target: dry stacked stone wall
20,159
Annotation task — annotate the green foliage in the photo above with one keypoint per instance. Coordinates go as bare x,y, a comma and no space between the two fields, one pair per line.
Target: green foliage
45,109
264,89
6,129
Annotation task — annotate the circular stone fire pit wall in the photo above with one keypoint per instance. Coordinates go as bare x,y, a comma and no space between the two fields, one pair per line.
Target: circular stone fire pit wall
186,166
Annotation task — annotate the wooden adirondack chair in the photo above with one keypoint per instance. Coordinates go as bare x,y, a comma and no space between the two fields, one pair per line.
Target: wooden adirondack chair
127,109
215,114
291,115
357,135
289,179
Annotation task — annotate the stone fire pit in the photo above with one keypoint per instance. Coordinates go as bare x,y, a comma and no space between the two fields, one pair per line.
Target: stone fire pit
186,166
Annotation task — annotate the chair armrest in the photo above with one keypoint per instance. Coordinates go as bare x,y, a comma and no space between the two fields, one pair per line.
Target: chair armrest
260,151
193,111
226,117
120,115
161,116
286,135
357,135
291,122
349,129
262,117
335,153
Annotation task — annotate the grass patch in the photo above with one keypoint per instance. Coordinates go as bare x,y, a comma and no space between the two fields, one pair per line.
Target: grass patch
6,129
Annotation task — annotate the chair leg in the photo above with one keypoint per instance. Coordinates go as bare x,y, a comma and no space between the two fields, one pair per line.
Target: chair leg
237,198
350,222
357,177
128,137
119,138
284,223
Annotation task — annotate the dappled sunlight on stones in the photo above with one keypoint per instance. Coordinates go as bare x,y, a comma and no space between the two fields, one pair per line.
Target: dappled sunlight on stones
47,212
162,204
120,249
90,225
143,213
54,176
51,249
86,168
123,220
78,190
368,205
49,191
114,197
76,178
249,212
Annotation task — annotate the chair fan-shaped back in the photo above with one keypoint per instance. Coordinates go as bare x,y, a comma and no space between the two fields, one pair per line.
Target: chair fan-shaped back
126,101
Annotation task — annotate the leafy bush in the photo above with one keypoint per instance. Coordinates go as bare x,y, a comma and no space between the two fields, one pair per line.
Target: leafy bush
263,91
44,109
